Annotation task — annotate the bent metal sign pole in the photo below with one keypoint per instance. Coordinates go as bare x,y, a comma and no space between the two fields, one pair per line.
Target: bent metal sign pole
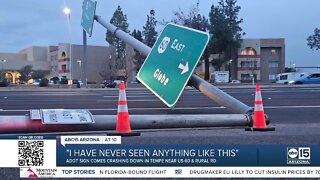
171,62
206,88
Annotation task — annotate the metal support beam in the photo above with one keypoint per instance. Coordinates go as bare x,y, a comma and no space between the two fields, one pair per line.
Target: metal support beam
85,59
218,95
206,88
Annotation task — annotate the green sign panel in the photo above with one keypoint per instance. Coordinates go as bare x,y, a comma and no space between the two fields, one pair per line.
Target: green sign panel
171,61
88,11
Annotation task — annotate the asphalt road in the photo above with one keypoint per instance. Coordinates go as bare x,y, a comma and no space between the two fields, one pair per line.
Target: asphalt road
294,111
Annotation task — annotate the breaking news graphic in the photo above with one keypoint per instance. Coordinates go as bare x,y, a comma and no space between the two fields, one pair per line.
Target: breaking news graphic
111,157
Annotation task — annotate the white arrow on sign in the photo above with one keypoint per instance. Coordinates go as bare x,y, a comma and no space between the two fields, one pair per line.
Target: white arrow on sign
184,68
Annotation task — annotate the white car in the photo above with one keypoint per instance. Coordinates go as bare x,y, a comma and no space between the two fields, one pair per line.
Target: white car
36,81
235,81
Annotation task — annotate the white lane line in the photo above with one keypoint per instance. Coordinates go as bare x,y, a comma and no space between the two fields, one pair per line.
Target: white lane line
184,108
308,88
139,93
128,96
289,107
192,108
138,100
220,107
112,109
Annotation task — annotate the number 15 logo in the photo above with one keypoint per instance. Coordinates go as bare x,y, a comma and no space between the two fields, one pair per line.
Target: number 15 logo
304,153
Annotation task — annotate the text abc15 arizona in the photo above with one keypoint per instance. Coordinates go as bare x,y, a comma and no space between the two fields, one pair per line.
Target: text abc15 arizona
298,155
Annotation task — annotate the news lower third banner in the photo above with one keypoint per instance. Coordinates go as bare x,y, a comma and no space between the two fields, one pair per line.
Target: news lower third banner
106,156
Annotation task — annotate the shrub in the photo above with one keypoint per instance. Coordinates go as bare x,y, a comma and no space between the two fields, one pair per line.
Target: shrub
64,81
55,80
44,82
91,82
4,83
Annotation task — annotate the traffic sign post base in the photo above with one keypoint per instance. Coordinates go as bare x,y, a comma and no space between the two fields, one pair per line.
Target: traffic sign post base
260,129
123,134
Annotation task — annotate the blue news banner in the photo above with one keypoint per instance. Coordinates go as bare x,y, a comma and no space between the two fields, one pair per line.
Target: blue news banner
187,155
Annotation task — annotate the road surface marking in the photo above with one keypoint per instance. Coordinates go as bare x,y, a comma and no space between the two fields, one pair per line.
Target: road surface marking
180,108
108,100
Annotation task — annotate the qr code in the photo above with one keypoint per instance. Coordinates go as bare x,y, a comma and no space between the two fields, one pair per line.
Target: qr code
30,153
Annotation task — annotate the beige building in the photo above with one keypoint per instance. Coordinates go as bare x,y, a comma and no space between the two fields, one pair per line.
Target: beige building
261,58
67,61
258,58
11,63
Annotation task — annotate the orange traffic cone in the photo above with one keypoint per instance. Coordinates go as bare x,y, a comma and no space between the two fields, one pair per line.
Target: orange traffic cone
259,121
123,121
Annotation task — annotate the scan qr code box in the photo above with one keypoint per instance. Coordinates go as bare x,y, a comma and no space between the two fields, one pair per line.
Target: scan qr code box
66,116
30,153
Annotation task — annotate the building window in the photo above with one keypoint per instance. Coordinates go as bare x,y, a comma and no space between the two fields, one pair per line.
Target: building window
247,77
64,68
273,52
51,58
273,64
249,51
63,55
248,64
272,76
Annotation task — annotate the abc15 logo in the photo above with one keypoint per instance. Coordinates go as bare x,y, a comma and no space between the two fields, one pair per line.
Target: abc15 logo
299,153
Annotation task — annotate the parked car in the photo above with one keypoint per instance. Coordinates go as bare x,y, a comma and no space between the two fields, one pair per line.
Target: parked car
313,78
36,81
285,78
235,82
109,84
78,83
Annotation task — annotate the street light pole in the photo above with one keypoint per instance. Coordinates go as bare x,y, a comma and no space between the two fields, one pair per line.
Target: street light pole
67,12
230,61
80,69
84,38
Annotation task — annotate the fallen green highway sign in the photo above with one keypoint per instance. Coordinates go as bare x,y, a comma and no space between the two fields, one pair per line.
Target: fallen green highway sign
171,61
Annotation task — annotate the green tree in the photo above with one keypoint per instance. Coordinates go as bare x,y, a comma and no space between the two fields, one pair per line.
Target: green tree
226,30
39,74
221,36
119,20
149,30
231,11
195,20
138,57
25,73
314,40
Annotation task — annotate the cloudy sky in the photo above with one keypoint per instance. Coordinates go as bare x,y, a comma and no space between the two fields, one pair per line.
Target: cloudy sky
25,23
